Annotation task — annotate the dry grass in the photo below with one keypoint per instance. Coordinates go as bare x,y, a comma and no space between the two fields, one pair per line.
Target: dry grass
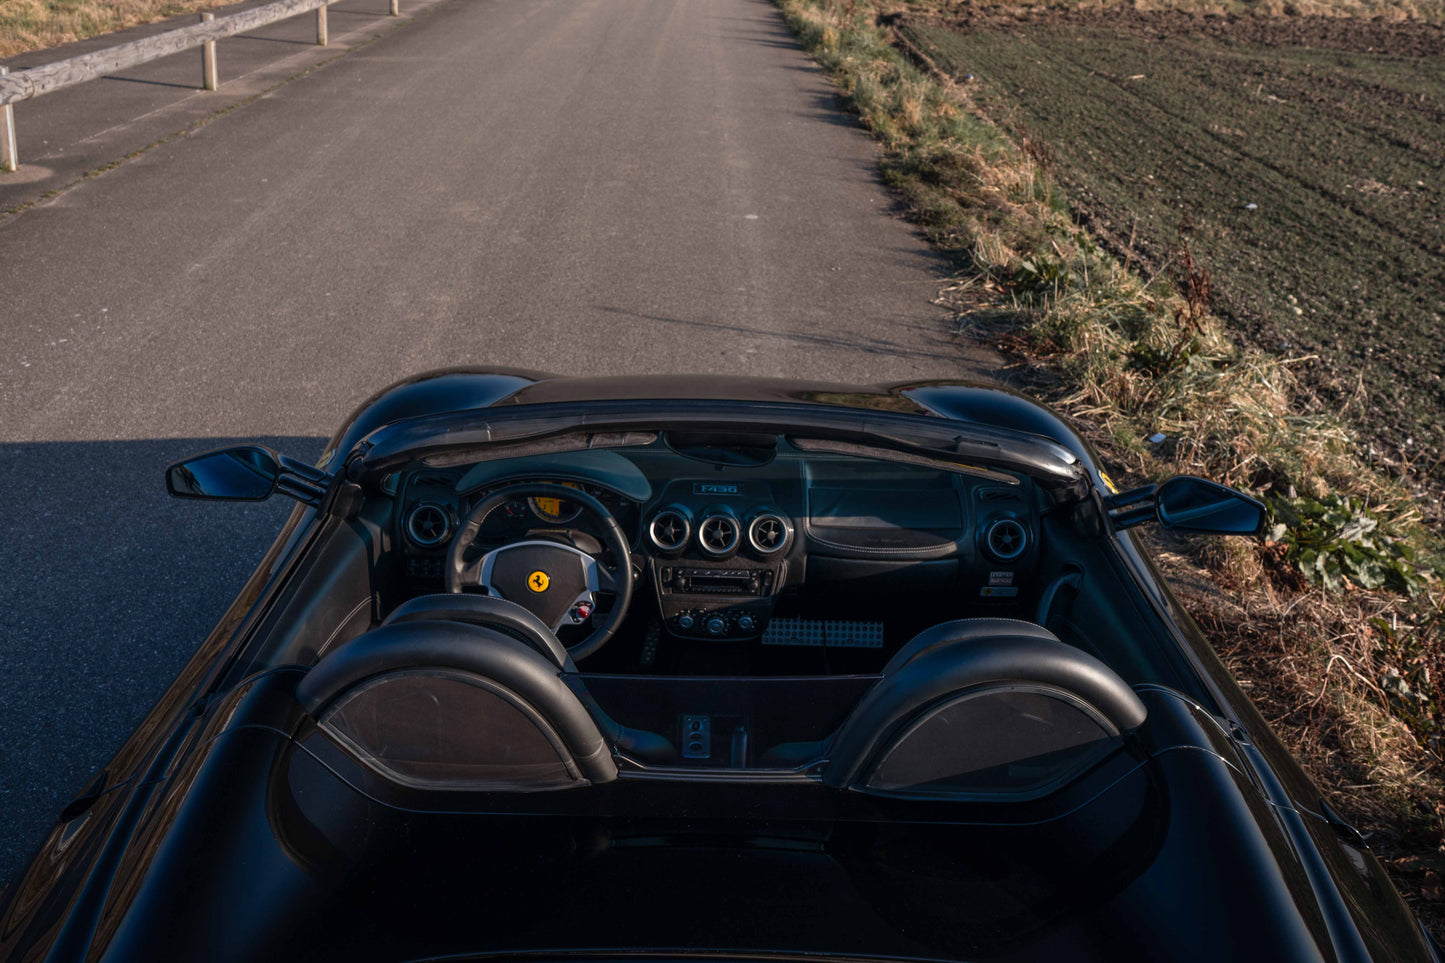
1126,360
27,25
1319,668
1350,680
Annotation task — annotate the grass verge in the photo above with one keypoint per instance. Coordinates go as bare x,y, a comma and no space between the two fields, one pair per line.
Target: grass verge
1334,623
1299,158
27,25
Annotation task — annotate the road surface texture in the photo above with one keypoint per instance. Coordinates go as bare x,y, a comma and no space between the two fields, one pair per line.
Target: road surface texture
579,186
65,134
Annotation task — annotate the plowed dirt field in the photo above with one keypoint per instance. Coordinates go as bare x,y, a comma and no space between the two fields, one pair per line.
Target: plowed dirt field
1304,160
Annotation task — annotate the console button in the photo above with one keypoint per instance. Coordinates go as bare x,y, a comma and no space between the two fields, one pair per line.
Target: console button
746,623
685,621
716,626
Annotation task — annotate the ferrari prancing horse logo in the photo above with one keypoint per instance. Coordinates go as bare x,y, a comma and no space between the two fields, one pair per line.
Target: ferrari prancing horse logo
538,581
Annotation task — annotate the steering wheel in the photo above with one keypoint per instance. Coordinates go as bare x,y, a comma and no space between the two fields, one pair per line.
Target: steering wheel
557,583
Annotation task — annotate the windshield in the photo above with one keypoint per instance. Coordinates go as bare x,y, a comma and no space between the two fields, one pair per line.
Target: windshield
445,440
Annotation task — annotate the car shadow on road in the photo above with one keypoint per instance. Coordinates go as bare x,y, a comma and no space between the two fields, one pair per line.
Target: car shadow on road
109,585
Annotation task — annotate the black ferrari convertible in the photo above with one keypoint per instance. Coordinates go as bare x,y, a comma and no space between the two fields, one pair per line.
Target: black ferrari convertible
701,668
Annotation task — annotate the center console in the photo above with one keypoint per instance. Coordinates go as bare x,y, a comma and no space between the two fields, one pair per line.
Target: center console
718,566
731,602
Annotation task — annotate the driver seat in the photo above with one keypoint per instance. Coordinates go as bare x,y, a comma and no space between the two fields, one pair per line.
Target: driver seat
446,705
506,617
517,623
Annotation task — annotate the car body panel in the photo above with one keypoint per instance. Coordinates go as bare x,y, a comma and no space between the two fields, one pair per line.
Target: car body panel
460,389
221,831
282,857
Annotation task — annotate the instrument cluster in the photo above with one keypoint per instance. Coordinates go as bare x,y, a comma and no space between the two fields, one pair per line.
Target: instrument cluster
435,510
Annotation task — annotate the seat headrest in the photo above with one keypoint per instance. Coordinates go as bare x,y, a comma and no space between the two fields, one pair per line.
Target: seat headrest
957,656
487,611
473,649
962,631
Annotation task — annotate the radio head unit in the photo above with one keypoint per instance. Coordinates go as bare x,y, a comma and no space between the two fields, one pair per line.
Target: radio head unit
678,580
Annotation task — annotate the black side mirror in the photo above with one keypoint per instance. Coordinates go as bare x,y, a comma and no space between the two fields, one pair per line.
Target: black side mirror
247,473
1188,504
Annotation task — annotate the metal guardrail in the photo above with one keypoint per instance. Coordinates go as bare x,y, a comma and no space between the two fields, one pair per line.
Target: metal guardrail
48,78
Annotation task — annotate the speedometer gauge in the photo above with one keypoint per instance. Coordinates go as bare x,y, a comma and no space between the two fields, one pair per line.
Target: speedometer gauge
556,510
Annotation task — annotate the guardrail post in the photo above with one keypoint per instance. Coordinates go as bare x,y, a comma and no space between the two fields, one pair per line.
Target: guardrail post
9,155
396,8
210,78
47,78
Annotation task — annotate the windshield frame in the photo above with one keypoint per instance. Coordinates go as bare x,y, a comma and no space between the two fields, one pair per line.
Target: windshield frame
456,437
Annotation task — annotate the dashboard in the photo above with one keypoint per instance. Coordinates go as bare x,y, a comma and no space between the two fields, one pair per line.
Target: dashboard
719,553
719,544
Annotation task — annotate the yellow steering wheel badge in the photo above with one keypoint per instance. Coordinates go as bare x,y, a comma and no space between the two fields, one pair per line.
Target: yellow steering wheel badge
538,581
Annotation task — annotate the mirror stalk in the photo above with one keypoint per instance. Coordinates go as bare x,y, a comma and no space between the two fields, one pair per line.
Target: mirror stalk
1133,507
1128,518
305,483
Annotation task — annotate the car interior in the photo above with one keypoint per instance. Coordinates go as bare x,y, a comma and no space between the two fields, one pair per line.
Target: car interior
719,606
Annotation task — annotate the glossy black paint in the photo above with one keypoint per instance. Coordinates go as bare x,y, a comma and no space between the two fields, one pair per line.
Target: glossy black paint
226,828
428,393
444,437
461,389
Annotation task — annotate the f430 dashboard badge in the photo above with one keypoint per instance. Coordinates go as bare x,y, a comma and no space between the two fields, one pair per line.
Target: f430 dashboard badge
706,488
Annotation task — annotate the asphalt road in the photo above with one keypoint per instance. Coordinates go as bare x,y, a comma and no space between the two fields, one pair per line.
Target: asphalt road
580,186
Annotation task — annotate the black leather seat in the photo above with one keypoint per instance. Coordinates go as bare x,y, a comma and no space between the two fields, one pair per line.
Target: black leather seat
950,659
480,658
490,611
519,624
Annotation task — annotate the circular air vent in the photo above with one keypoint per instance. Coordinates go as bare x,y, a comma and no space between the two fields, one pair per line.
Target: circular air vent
428,525
1006,539
669,530
768,533
718,534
